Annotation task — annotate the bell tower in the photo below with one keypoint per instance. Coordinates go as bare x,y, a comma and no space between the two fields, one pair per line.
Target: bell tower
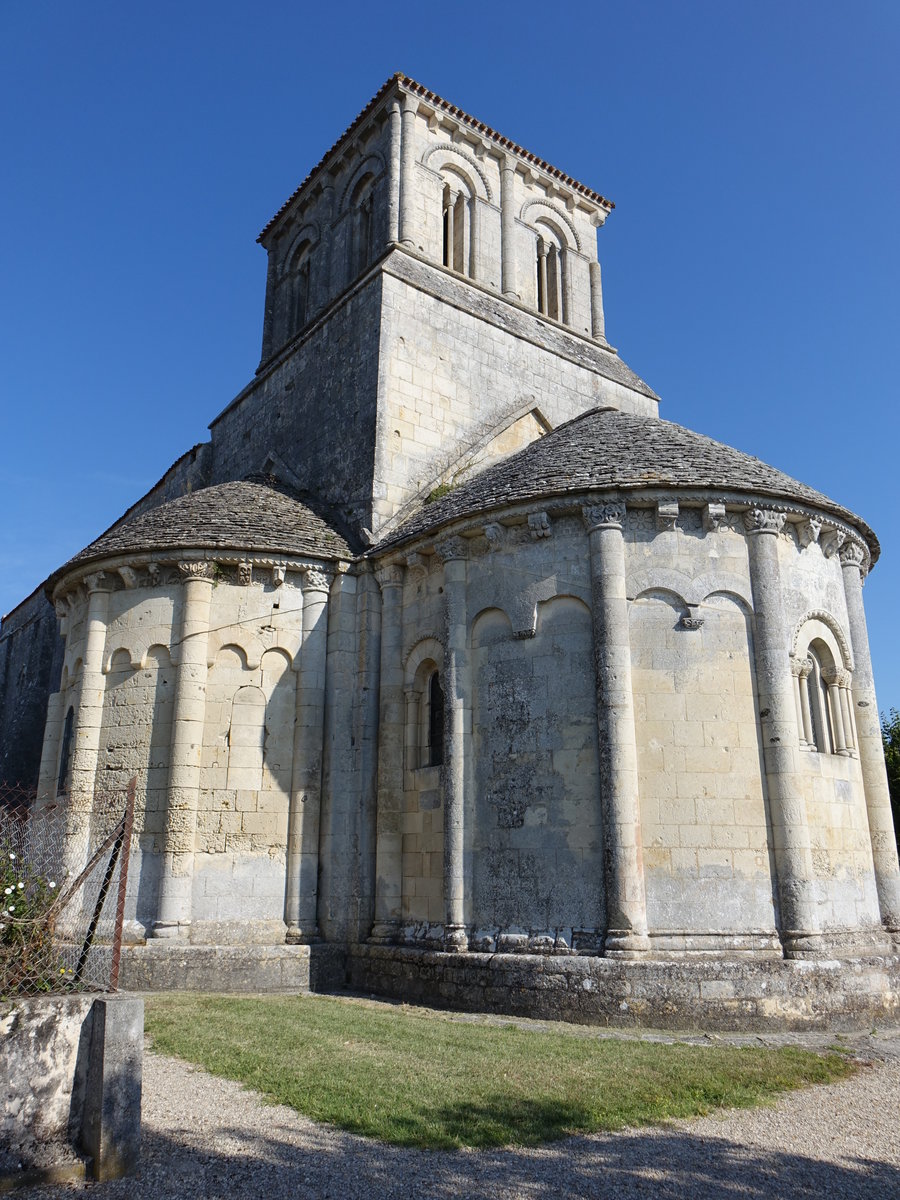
433,303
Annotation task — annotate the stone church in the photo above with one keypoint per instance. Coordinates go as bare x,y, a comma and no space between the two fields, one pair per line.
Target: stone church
446,664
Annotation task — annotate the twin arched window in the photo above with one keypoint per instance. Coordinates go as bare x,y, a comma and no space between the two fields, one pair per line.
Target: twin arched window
823,700
457,231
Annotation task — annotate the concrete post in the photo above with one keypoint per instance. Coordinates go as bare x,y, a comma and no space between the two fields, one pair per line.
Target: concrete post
407,171
598,320
304,815
394,174
626,903
453,553
799,926
188,719
508,281
110,1132
391,731
869,744
87,726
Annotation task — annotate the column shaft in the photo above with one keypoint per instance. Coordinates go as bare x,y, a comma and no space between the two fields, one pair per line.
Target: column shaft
394,174
870,746
626,904
87,726
508,281
456,692
188,719
598,320
407,171
304,814
391,733
798,916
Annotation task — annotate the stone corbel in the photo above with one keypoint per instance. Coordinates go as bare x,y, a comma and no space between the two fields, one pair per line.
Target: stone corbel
495,535
153,574
417,565
666,514
692,619
808,531
279,572
539,525
831,541
713,517
129,577
245,573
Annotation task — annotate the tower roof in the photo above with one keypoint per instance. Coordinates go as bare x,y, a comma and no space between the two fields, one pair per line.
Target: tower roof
609,450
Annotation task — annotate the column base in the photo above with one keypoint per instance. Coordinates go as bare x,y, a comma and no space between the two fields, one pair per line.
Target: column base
384,933
800,943
170,929
625,943
297,936
456,940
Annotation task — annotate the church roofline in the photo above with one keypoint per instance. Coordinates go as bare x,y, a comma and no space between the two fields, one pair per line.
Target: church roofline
404,83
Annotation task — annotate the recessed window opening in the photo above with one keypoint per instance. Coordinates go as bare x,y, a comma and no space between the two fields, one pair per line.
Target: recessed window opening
549,280
300,287
454,230
362,233
65,753
434,748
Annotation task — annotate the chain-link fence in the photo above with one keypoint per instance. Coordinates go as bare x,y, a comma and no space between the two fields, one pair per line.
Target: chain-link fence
63,874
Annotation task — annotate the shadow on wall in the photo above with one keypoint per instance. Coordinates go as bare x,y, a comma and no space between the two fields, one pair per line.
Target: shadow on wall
667,1164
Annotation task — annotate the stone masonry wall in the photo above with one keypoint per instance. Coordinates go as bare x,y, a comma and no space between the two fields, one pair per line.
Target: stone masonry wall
31,653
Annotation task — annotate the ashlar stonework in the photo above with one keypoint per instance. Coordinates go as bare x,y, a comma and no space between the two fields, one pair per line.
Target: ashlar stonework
448,659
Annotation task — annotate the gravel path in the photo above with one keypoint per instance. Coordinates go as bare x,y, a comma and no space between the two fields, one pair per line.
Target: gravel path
207,1137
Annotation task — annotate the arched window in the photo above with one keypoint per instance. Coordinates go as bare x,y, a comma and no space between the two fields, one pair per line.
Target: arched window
434,745
62,782
457,232
361,239
550,282
300,287
823,699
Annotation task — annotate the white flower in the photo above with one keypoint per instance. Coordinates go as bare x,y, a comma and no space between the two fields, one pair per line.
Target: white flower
8,892
51,884
12,908
12,858
21,886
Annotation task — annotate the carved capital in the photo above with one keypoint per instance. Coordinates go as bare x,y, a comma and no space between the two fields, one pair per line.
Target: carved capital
390,575
836,677
317,579
691,622
451,548
197,570
97,582
852,554
713,517
244,573
604,516
763,520
800,667
539,525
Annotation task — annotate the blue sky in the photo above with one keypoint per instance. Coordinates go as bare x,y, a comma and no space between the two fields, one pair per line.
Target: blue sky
751,265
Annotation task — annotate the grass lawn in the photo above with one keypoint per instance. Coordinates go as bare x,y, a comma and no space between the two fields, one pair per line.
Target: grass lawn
415,1078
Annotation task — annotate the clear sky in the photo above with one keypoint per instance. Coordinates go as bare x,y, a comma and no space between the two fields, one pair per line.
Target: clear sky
751,265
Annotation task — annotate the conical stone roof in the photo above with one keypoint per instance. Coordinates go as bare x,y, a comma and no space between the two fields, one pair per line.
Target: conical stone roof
609,450
243,516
